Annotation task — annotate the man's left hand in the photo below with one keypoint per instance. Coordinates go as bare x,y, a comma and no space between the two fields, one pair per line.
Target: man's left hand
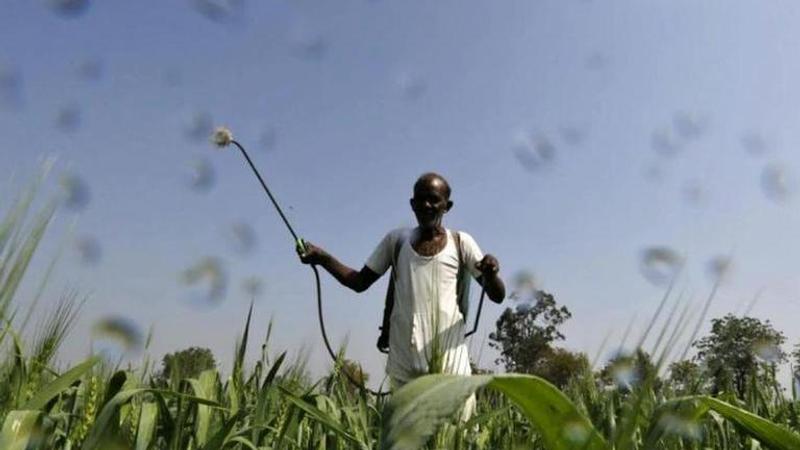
489,266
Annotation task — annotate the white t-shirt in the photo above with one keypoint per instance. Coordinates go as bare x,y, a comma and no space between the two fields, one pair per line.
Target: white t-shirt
425,320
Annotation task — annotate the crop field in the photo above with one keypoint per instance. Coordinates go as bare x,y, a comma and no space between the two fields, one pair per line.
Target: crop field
273,403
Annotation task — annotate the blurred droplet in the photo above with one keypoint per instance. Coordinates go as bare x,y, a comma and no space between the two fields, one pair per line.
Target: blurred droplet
75,193
776,182
660,265
202,176
754,143
674,424
768,351
596,61
116,336
10,88
653,173
68,118
200,126
534,152
172,77
209,276
89,250
689,126
268,138
576,432
412,86
572,135
524,284
664,143
90,70
69,8
694,194
309,46
719,267
242,238
624,372
218,10
253,286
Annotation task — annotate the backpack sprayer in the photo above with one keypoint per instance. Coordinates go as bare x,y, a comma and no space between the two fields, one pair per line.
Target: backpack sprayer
223,137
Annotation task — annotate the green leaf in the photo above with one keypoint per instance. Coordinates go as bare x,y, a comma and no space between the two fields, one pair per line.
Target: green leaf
20,430
768,433
419,408
320,416
147,425
60,384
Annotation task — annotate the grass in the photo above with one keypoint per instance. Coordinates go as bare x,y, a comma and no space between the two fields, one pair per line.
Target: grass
272,403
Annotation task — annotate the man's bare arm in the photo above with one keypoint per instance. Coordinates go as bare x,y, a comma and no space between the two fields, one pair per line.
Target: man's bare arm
357,281
490,279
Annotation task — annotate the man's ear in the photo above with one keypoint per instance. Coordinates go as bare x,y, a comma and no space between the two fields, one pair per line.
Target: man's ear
449,205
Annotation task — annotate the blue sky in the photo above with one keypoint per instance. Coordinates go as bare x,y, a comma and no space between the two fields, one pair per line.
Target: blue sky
360,97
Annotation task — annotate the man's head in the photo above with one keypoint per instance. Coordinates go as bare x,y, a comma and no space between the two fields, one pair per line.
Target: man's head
431,199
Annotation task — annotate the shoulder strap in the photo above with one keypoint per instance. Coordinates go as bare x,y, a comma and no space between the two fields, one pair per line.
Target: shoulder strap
383,339
462,278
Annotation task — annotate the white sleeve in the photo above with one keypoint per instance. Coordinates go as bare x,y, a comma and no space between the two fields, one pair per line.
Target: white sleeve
381,258
472,253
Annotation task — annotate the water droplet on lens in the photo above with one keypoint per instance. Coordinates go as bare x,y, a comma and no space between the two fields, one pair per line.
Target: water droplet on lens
660,265
768,351
116,336
242,238
719,267
534,152
674,424
75,192
412,86
10,88
776,182
754,144
624,372
69,8
689,126
91,70
664,143
576,432
572,135
268,138
218,10
89,250
202,175
309,45
694,194
200,126
206,272
253,286
68,118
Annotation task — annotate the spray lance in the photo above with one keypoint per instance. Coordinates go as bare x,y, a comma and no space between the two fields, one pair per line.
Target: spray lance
223,137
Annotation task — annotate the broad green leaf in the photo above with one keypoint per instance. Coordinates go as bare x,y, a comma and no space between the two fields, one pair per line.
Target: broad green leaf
21,430
60,384
419,408
771,434
147,425
204,387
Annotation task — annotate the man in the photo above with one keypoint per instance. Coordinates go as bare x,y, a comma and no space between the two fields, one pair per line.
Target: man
427,327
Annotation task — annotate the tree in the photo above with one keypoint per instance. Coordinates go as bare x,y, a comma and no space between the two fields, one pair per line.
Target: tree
524,335
739,349
558,365
187,363
685,376
796,360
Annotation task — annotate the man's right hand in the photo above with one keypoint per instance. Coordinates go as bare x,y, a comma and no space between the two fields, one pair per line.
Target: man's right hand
311,254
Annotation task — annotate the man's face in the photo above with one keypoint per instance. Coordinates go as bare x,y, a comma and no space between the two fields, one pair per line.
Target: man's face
430,203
